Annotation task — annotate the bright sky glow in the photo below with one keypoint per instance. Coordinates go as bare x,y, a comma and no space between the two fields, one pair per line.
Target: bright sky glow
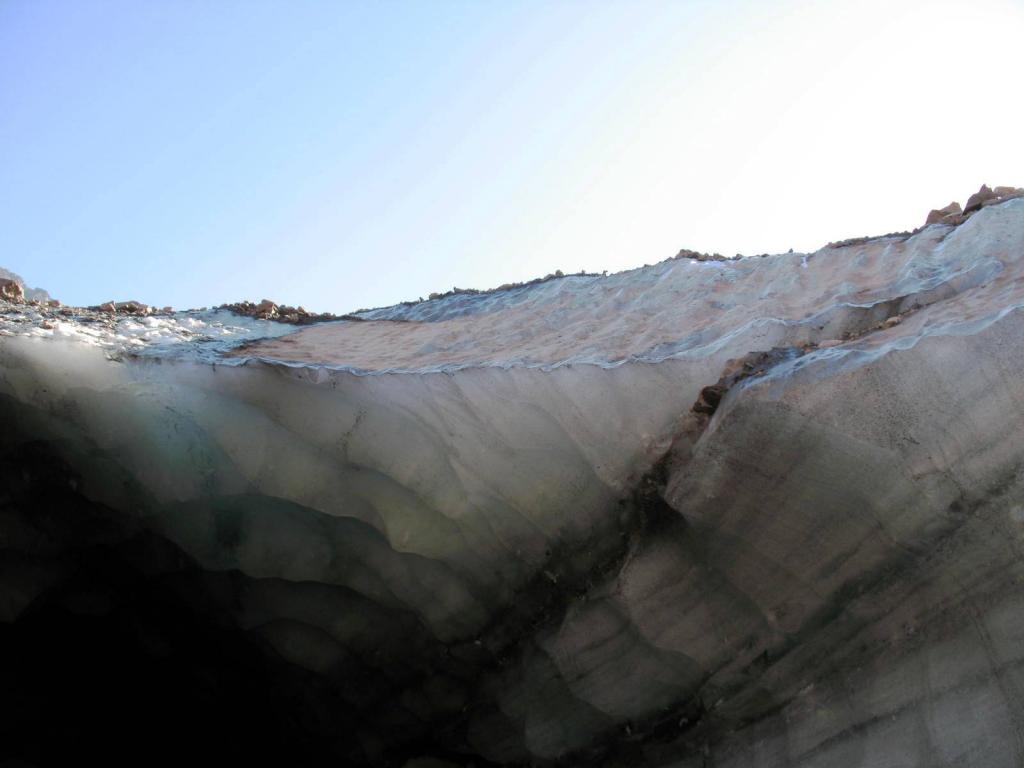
344,155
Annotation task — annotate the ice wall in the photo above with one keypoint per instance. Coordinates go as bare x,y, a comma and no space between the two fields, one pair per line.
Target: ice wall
593,521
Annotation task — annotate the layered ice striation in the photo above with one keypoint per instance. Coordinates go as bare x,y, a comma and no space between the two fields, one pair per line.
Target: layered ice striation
764,512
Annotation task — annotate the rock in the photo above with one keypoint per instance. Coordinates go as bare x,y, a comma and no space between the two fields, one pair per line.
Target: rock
54,303
282,313
709,399
1007,193
830,344
686,253
167,310
895,320
265,310
737,369
108,307
11,290
37,294
975,201
133,307
939,214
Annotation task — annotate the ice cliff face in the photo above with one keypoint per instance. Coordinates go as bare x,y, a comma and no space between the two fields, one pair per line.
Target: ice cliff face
765,512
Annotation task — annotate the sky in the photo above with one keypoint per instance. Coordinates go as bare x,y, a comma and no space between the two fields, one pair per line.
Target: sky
342,155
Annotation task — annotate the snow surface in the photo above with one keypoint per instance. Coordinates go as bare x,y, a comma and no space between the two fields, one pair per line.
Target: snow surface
198,334
688,309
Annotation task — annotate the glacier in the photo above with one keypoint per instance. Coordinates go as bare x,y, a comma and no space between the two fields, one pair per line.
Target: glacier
757,512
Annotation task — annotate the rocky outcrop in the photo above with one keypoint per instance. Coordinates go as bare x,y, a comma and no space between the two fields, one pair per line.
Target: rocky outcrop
268,310
952,215
686,253
133,307
11,290
757,512
130,307
946,214
31,294
979,198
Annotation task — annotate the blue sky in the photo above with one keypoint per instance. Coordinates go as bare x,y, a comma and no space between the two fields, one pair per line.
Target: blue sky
344,155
